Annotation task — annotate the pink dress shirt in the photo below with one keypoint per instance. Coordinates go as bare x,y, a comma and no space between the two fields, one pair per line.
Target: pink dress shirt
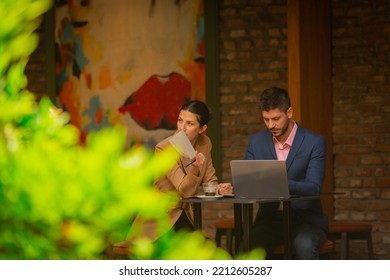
282,150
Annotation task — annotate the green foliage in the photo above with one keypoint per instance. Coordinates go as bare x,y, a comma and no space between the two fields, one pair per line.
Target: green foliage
61,200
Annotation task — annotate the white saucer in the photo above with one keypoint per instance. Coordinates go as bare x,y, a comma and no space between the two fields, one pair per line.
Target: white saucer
210,197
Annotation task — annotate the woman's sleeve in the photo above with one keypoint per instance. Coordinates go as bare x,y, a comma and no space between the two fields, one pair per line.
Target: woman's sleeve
178,177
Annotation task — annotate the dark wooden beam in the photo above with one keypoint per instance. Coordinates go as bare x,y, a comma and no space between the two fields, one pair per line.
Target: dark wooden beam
309,75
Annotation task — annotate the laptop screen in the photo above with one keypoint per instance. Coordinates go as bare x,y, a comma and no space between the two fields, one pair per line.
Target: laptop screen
259,179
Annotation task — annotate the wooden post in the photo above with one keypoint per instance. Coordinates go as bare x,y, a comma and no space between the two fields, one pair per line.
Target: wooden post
309,75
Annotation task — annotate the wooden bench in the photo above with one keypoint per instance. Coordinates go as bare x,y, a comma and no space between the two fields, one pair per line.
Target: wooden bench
325,250
346,231
226,228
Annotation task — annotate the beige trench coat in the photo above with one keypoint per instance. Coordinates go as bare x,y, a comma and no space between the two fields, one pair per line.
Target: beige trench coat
184,182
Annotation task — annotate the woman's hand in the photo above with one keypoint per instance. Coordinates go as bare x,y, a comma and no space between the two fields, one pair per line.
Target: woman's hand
199,159
225,188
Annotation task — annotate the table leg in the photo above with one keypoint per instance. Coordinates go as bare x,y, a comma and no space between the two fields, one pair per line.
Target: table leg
197,208
237,226
287,230
247,224
344,246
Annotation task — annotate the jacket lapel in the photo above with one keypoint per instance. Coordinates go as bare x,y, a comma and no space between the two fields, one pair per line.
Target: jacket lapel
271,146
296,145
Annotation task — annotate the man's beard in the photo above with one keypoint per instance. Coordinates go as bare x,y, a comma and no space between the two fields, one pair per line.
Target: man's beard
281,131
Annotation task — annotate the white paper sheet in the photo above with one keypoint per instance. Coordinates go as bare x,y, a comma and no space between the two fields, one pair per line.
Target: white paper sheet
182,144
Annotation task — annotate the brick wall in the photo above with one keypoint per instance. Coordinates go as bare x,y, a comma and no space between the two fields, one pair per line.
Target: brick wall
253,56
361,121
36,67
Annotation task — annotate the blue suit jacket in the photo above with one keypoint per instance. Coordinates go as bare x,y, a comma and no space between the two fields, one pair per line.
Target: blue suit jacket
305,170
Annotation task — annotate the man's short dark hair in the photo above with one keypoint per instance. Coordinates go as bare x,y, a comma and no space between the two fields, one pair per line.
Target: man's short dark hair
274,98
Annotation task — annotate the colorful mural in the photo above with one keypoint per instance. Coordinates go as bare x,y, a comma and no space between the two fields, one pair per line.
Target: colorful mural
130,62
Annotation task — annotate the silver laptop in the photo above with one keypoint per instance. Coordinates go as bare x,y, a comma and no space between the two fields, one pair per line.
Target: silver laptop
264,179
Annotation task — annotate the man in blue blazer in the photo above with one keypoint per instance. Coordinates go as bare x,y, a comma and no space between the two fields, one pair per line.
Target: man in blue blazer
304,153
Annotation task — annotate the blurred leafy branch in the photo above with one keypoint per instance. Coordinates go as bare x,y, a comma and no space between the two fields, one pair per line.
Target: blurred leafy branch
60,200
